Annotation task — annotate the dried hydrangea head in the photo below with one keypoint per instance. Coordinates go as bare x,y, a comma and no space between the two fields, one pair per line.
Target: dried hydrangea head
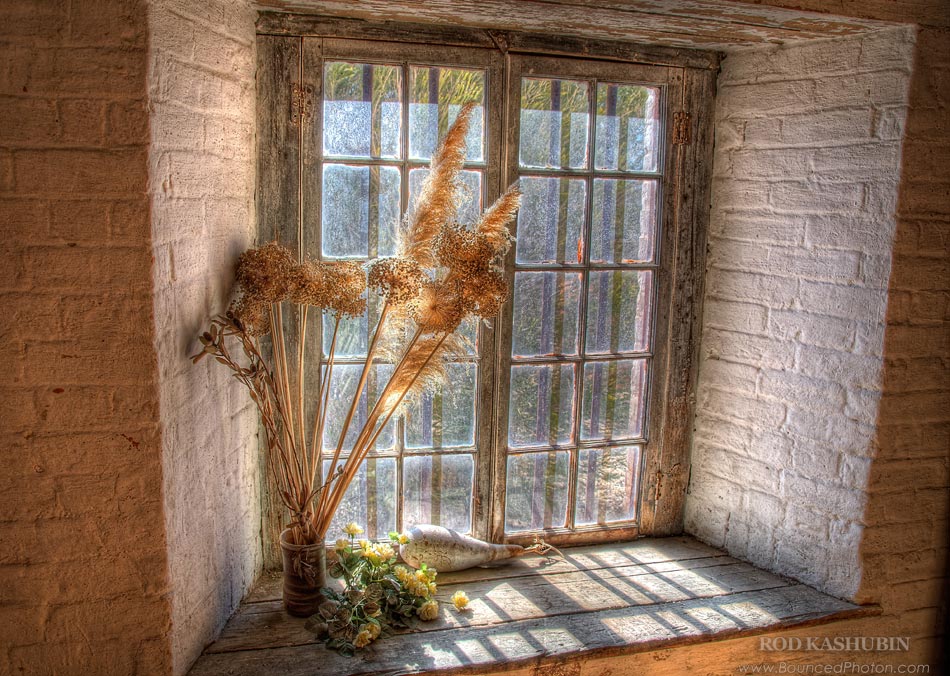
309,285
346,283
266,272
457,247
398,279
484,293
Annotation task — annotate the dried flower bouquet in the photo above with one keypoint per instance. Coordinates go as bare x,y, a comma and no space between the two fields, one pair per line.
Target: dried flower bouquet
443,272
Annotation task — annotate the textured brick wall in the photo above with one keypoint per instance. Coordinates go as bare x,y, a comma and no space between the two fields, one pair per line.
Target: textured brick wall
201,90
82,548
820,445
806,172
904,550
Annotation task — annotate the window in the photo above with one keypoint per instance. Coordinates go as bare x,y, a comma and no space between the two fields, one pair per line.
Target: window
554,420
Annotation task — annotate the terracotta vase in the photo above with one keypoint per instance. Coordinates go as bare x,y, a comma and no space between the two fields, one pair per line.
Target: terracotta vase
305,575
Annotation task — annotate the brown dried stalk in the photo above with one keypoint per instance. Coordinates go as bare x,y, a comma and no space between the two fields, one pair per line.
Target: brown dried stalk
468,281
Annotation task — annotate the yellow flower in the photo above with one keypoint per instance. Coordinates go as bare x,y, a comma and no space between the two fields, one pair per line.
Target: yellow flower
341,544
421,576
402,574
403,539
370,554
373,629
363,639
364,544
385,551
432,587
352,528
428,611
460,599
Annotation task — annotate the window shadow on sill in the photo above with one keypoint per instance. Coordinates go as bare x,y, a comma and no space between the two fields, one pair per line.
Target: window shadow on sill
597,601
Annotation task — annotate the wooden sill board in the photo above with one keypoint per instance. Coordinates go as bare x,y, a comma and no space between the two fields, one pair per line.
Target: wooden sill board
598,601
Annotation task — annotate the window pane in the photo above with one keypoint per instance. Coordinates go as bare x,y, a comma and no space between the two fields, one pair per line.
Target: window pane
444,418
614,399
540,411
551,220
351,339
555,117
623,215
343,385
544,316
537,491
618,311
438,490
471,192
607,485
370,500
362,111
436,95
627,127
360,211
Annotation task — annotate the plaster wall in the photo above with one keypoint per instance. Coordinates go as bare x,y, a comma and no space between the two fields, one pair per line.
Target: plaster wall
201,186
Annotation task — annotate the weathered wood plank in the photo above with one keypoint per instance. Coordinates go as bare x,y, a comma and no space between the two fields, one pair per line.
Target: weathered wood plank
659,551
670,467
681,23
501,601
278,180
538,641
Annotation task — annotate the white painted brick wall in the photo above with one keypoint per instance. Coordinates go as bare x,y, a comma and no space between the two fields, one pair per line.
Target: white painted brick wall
805,181
202,159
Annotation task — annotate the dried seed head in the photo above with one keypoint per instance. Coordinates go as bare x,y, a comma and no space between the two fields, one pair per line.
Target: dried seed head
398,279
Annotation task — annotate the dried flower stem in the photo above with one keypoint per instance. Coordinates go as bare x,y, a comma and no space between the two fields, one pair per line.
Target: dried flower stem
354,404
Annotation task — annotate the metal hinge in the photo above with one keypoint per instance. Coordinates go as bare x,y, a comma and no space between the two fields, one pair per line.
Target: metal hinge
682,135
301,102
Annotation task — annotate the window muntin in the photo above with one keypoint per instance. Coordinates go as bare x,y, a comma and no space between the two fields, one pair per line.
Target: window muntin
381,122
583,297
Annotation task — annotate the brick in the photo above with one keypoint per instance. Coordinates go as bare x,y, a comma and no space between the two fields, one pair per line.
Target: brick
81,268
868,89
800,327
765,413
127,123
84,221
823,198
803,391
739,286
751,350
841,300
123,24
757,228
759,98
82,121
848,369
743,317
730,376
856,162
78,172
869,235
28,121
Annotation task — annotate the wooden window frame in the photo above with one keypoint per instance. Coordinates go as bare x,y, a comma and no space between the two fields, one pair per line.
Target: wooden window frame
290,49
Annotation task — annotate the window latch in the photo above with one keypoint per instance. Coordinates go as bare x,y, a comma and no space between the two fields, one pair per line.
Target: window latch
682,135
301,102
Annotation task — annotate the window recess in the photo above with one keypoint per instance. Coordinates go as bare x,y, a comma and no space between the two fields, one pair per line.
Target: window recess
569,417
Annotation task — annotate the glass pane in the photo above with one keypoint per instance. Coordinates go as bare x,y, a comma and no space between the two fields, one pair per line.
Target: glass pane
537,491
540,412
471,193
607,485
343,385
436,95
352,339
444,418
614,399
360,211
627,127
551,220
544,319
370,500
361,110
555,117
624,217
438,490
618,311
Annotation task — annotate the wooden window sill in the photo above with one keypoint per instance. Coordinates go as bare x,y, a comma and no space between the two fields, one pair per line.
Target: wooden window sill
598,601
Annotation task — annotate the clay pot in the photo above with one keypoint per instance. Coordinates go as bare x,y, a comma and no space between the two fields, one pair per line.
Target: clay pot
305,574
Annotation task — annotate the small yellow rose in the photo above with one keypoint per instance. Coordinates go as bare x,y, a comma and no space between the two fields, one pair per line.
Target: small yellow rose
460,600
428,611
403,539
363,639
341,544
352,528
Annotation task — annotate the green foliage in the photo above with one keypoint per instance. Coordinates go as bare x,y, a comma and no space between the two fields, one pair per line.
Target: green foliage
378,594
